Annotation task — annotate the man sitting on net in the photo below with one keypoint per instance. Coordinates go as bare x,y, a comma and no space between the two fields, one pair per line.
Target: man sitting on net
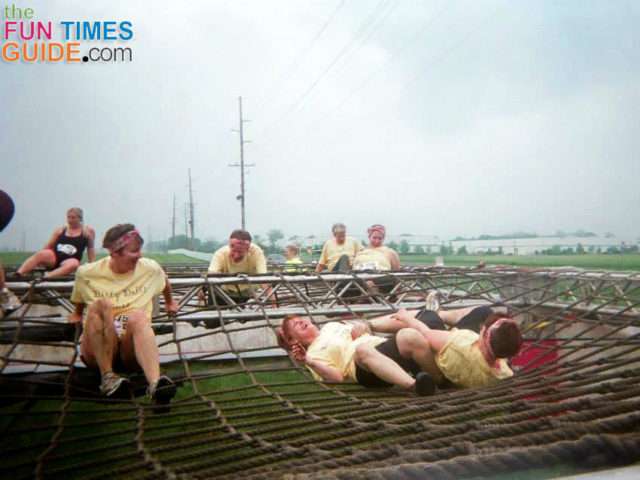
119,291
239,256
460,356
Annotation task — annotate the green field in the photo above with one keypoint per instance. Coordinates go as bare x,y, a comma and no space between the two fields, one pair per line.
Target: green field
16,258
587,261
627,262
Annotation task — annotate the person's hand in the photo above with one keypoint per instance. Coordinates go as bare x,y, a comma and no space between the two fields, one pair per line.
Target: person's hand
299,352
402,315
74,317
358,329
171,307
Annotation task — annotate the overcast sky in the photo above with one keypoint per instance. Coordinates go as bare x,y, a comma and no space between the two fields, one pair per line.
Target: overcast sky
444,117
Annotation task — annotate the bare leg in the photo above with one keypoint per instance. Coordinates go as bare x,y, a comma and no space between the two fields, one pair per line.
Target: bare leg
452,317
382,366
396,321
66,268
139,346
99,341
412,344
44,257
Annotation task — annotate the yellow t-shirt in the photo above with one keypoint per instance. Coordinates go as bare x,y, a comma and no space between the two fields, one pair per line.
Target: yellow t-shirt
291,264
253,262
128,291
331,251
462,362
335,347
373,259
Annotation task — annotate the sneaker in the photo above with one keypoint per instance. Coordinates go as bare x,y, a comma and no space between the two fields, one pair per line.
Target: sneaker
161,394
425,385
432,302
8,301
111,383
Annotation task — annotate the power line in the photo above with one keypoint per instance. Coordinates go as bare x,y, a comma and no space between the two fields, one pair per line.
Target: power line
361,31
277,85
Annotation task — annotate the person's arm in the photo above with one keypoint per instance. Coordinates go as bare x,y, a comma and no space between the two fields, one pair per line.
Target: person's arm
217,262
394,259
170,305
323,260
327,372
51,243
76,315
91,251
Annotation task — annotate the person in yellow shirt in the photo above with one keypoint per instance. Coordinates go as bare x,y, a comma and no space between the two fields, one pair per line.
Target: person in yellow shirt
339,352
461,356
376,256
118,291
239,256
338,252
292,254
470,346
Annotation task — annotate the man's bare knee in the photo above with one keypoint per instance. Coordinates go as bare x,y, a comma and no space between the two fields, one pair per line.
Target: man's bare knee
410,340
363,353
137,321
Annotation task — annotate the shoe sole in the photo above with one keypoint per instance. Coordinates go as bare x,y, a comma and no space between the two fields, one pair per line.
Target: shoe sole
165,391
425,385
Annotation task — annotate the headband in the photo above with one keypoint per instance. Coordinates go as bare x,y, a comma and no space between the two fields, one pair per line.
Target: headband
377,228
124,240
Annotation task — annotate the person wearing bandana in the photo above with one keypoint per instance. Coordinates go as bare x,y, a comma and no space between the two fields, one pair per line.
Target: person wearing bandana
119,291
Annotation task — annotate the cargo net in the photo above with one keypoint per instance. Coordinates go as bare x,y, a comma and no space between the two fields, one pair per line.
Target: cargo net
245,409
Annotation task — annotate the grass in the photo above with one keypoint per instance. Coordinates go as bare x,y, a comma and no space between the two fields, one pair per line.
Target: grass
598,261
16,258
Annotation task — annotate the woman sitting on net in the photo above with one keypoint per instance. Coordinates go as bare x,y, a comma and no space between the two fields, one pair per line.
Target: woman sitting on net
63,252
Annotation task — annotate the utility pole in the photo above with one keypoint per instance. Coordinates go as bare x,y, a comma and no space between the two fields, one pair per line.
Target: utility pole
242,165
191,219
173,219
186,225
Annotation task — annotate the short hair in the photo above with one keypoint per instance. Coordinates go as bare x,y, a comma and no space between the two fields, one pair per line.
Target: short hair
115,232
283,333
505,340
293,247
240,234
338,226
78,211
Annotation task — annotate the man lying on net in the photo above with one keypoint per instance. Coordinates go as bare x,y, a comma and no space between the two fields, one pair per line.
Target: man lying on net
119,291
420,346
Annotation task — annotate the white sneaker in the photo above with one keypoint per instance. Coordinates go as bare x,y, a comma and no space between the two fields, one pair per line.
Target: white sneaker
111,383
8,301
432,302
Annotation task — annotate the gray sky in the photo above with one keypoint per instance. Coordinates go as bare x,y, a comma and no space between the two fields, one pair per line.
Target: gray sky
439,117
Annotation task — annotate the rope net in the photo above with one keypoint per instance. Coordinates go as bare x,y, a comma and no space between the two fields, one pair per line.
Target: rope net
245,409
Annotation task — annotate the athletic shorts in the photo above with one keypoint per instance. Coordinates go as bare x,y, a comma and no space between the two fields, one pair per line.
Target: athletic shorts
388,348
471,321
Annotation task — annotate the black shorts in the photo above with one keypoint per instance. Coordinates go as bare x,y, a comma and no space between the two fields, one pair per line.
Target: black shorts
388,348
471,321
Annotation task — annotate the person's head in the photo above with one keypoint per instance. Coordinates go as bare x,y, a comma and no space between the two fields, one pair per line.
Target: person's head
502,336
7,209
296,329
124,244
339,231
291,251
376,234
239,243
75,217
